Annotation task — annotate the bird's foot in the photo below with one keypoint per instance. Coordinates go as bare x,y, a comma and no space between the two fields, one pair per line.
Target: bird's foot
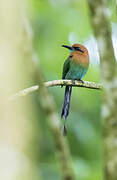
73,81
81,80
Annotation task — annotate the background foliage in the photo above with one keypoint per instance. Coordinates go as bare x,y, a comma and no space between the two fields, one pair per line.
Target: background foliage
57,22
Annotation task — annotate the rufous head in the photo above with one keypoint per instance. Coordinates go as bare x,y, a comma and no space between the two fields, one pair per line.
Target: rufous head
78,48
78,54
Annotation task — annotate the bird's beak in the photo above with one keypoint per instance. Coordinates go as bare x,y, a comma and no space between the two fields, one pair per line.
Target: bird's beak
68,47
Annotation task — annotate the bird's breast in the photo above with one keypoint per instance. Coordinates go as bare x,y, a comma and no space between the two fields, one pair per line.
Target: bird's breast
76,71
82,60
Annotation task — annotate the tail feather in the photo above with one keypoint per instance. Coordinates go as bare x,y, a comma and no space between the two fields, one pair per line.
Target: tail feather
64,130
66,104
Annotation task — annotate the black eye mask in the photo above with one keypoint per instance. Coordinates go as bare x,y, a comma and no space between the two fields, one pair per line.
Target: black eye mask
78,49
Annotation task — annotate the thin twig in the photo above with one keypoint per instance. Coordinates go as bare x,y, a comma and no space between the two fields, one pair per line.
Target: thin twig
84,84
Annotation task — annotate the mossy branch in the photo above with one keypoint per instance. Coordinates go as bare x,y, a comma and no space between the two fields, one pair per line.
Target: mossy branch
84,84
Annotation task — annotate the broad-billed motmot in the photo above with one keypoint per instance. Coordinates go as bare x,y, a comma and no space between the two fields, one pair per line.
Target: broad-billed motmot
74,68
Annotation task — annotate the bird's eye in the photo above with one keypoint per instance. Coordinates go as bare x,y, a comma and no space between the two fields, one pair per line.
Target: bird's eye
78,49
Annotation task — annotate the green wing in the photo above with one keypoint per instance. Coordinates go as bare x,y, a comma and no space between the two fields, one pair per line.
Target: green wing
66,67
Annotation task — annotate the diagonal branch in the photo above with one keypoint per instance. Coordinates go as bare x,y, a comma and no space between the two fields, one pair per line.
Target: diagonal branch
84,84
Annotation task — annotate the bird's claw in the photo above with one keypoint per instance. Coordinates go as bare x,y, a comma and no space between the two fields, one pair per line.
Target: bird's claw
81,80
73,81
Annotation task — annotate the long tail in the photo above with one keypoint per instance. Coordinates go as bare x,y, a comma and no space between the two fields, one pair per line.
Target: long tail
66,106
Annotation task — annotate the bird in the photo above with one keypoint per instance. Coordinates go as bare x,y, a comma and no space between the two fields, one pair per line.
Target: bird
74,68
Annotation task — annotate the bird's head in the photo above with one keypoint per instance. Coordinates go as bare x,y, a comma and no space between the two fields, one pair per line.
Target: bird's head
79,48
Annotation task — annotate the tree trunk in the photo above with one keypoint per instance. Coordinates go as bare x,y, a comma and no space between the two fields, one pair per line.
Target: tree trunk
19,65
17,119
108,70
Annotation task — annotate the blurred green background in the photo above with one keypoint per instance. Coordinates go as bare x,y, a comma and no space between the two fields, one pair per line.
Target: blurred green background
57,22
